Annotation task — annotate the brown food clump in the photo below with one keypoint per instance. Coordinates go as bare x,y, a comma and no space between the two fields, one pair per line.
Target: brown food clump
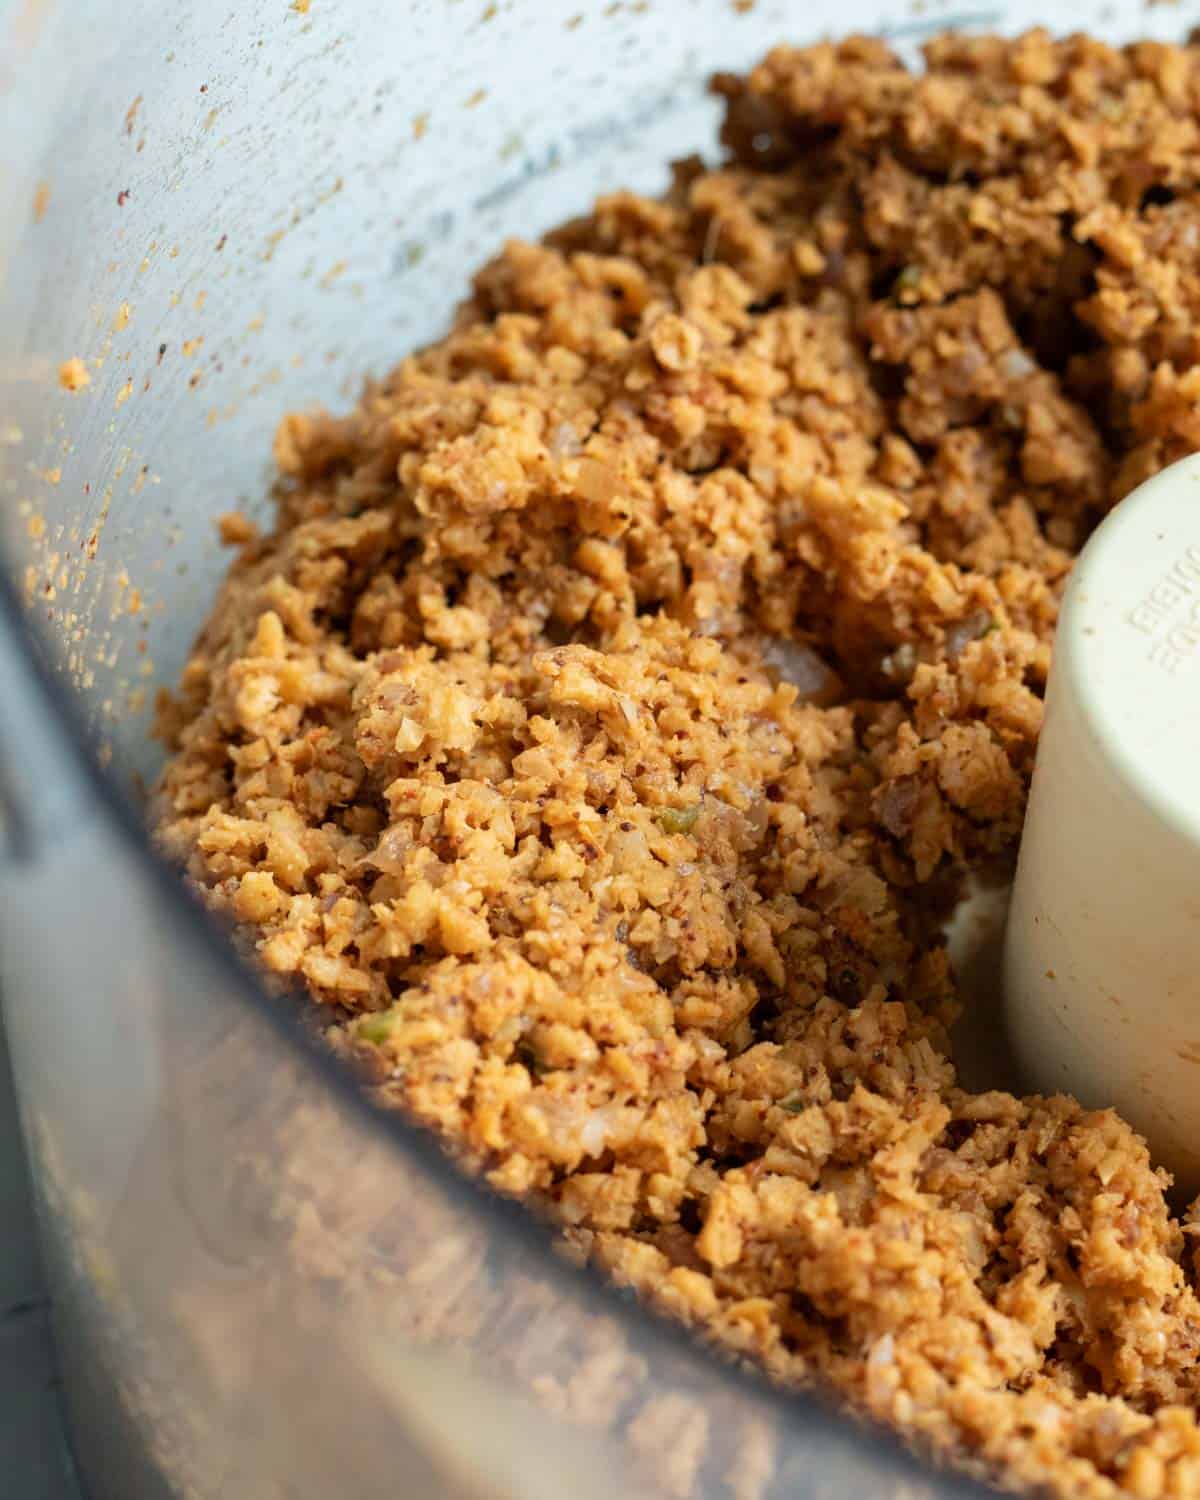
631,676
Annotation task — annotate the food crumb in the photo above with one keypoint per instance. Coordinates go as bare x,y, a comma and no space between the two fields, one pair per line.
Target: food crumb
73,374
236,529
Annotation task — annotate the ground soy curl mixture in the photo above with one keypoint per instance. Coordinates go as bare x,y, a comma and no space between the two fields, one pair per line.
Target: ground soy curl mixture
604,731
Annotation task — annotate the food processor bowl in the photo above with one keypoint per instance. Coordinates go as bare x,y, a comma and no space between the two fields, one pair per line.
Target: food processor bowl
214,215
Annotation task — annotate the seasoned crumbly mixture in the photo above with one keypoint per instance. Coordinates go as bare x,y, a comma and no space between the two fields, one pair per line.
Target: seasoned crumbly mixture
604,731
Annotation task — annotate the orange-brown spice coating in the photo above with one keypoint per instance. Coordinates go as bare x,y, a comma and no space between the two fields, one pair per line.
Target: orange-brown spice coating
631,676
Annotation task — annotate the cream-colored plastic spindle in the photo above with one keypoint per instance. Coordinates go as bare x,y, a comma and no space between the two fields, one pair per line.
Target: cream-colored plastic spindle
1102,951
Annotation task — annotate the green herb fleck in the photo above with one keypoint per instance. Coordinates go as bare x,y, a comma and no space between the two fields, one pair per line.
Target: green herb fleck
679,819
375,1029
795,1102
909,280
991,627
